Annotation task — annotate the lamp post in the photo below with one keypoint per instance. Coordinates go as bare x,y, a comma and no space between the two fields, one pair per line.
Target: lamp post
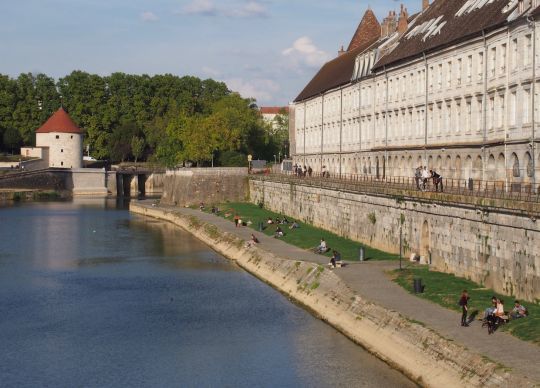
400,244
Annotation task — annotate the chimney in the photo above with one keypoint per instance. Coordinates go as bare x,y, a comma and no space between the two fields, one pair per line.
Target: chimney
403,22
341,51
425,4
389,24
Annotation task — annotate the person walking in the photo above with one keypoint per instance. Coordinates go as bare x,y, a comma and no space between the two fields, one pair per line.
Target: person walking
463,302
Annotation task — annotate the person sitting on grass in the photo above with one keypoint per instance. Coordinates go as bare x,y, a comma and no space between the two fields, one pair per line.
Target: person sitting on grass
270,221
284,221
322,248
491,310
279,232
519,311
294,225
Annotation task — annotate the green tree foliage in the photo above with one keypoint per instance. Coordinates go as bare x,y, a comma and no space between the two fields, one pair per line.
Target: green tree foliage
164,118
12,139
137,147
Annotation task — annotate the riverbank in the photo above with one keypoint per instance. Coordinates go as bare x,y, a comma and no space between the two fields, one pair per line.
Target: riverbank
418,351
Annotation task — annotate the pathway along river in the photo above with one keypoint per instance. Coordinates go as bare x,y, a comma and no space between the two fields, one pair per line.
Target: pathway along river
93,296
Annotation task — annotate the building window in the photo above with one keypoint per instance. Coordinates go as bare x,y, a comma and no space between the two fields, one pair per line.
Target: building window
61,163
439,78
469,116
72,136
459,70
503,58
492,61
514,54
526,106
62,150
449,76
527,50
469,68
58,136
480,66
513,110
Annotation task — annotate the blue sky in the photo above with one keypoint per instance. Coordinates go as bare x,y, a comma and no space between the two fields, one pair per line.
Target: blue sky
267,49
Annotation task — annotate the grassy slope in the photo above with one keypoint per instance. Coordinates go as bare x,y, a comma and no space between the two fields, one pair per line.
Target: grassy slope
305,237
445,290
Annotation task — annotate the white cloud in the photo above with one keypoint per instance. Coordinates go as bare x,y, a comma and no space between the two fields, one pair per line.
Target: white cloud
249,9
149,17
244,9
304,53
200,7
211,72
261,89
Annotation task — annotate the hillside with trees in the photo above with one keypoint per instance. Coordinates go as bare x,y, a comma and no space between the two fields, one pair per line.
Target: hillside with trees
162,118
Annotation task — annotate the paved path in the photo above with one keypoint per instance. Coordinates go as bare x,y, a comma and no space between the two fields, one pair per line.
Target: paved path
369,279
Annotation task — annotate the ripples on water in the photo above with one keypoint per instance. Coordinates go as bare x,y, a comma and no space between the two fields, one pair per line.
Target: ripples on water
91,296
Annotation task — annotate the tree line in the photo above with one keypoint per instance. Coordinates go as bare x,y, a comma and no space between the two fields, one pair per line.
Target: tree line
163,118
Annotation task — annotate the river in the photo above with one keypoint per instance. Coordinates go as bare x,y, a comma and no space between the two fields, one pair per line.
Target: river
91,296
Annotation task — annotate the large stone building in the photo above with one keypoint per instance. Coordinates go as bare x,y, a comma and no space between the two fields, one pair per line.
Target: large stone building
455,87
59,142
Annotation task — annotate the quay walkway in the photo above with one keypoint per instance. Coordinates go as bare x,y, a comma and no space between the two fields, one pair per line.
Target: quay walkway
514,197
370,280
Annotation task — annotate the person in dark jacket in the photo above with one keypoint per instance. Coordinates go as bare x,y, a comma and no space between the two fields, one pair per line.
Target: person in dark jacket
463,302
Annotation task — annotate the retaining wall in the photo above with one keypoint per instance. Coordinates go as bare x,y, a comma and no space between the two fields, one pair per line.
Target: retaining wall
495,247
188,187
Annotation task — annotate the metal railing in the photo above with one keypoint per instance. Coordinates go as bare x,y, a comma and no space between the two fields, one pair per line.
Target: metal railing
516,191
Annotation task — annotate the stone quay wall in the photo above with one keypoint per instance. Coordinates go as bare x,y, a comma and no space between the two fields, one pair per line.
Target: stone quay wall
57,180
189,187
418,352
497,248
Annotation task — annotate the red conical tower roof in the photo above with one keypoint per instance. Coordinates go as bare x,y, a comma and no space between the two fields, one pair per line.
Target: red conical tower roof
368,31
59,122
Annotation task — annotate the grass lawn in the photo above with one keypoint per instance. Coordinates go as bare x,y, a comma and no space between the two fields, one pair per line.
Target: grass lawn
445,290
305,237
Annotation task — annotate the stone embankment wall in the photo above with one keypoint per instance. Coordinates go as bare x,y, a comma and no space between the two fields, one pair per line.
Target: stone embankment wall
188,187
494,247
57,180
417,351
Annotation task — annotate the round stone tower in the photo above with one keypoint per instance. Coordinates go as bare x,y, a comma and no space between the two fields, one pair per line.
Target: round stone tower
63,139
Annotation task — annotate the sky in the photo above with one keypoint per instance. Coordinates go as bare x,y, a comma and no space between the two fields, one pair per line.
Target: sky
265,49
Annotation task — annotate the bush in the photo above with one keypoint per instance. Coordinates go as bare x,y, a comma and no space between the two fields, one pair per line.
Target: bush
233,159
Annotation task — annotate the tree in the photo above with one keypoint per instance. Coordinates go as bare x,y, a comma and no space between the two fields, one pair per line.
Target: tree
137,147
120,141
12,139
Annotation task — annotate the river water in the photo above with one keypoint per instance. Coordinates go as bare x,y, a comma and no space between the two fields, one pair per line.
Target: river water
91,296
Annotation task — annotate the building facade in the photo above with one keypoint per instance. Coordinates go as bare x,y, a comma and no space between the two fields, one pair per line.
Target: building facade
455,87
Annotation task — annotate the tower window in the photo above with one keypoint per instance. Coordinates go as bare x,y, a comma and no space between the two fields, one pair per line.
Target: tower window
62,150
61,163
72,136
58,136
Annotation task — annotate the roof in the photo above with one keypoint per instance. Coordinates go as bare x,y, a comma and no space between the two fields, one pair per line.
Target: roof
339,71
273,110
536,12
59,122
446,22
363,35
